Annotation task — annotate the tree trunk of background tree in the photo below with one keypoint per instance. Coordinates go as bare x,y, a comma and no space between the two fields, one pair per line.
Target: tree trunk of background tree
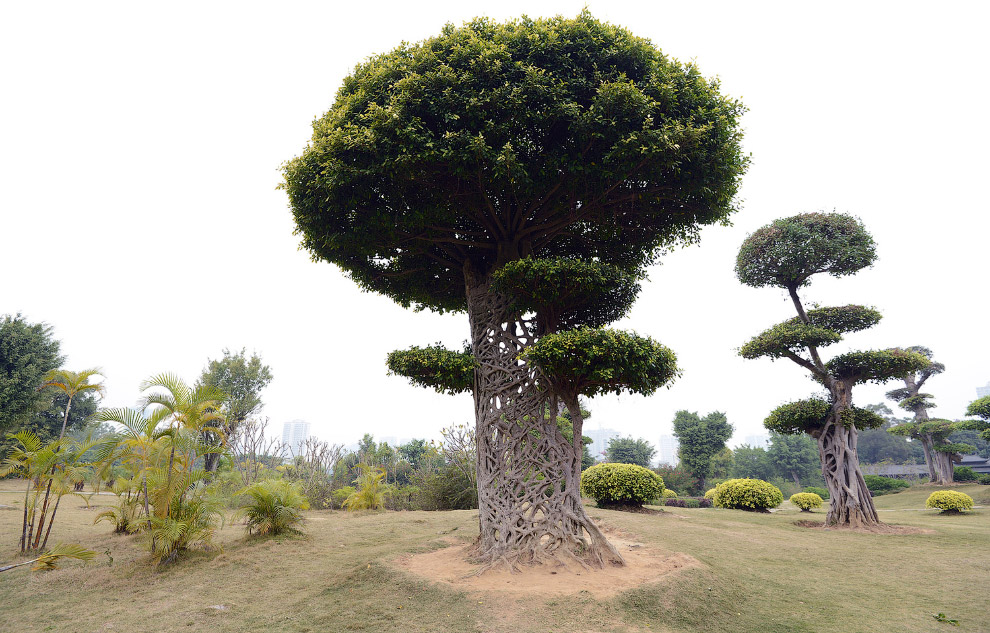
926,445
529,504
850,501
944,468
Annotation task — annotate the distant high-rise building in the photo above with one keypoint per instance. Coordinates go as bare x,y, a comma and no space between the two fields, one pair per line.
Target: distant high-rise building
599,441
982,392
667,452
294,436
758,440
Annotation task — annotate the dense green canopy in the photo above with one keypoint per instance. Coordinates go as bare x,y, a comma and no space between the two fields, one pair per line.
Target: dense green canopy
436,367
491,142
567,293
877,366
788,337
808,416
788,251
588,362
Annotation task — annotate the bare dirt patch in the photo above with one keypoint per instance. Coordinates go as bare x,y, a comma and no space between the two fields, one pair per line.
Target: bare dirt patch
449,566
883,528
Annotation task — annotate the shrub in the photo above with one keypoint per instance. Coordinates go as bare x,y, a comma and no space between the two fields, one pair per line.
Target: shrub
884,485
983,478
710,494
370,493
747,494
704,503
621,484
669,494
340,495
806,501
821,492
677,503
949,501
964,473
679,479
274,506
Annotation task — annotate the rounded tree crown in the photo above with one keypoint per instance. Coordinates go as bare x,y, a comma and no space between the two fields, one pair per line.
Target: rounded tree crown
492,142
436,367
787,252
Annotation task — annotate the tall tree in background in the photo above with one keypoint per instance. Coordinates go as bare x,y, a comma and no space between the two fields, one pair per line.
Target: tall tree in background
700,439
27,353
626,450
794,456
980,408
879,444
910,398
786,254
241,379
443,161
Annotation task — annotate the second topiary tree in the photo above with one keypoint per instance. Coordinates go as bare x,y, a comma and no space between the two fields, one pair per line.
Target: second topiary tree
786,254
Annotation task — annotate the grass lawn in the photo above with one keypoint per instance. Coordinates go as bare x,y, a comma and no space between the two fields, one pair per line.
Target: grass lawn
759,572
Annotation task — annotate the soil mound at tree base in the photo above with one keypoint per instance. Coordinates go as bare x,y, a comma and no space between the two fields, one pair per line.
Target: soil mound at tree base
643,565
883,528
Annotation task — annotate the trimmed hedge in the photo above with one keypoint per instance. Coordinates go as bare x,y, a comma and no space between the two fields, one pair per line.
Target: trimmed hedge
806,501
821,492
884,485
621,484
949,501
747,494
964,473
689,503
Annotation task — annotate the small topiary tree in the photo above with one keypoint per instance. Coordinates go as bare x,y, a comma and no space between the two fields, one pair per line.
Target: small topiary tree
910,398
950,501
747,494
934,433
621,485
821,492
806,501
786,254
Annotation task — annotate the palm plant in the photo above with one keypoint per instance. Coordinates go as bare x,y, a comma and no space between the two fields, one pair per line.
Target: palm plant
274,507
370,493
72,383
50,559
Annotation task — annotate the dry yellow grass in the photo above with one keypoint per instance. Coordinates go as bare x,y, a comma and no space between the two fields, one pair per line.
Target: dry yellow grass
757,572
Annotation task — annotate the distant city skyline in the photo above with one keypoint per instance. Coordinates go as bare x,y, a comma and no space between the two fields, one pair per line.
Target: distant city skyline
294,436
982,392
667,450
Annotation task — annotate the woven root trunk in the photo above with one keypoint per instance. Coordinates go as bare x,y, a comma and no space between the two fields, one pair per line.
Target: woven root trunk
529,500
850,502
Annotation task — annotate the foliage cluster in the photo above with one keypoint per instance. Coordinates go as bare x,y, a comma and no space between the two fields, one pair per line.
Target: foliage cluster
964,473
884,485
678,478
821,492
275,506
806,501
626,450
700,439
949,501
434,366
621,484
747,494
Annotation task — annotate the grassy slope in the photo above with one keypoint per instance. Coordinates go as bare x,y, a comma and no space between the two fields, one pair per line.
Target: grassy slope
761,573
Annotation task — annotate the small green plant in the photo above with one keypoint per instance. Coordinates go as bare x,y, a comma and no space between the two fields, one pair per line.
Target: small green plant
821,492
669,494
949,501
621,484
710,494
884,485
275,506
747,494
941,617
983,479
806,501
370,493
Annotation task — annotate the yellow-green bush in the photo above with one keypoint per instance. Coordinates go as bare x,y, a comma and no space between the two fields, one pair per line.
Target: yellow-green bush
621,484
949,501
669,494
710,493
747,494
806,501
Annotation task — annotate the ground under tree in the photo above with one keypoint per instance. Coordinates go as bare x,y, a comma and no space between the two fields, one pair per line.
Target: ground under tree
442,162
786,254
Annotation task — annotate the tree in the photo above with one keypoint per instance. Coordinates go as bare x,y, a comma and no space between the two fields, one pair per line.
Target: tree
241,379
27,353
751,462
879,444
626,450
47,423
794,456
936,433
786,254
444,161
981,409
910,398
700,439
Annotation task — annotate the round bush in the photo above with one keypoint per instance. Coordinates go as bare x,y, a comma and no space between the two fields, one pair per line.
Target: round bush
747,494
669,494
806,501
821,492
949,501
710,494
621,484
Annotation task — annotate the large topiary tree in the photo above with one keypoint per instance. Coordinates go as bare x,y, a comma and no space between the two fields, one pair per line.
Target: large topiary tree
568,140
910,398
786,254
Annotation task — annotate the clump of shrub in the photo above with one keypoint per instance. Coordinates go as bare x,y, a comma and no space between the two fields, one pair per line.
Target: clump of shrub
950,501
370,493
821,492
710,494
669,494
983,478
964,473
884,485
747,494
689,503
274,507
621,484
806,501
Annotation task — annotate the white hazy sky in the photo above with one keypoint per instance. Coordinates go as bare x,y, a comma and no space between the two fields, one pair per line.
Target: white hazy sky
140,146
